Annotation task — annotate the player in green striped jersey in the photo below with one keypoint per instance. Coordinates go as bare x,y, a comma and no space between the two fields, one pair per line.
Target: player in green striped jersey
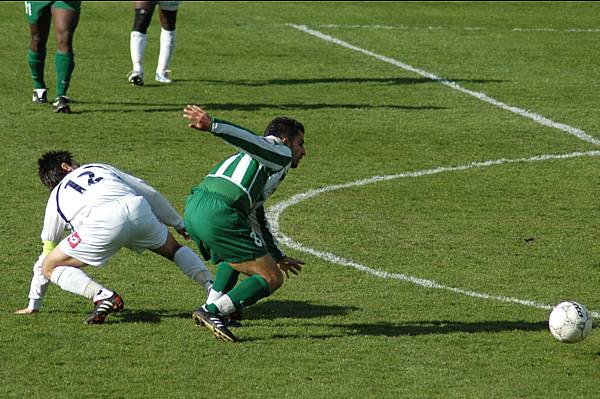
225,215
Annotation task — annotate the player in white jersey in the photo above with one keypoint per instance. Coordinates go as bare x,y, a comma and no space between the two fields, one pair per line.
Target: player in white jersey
105,209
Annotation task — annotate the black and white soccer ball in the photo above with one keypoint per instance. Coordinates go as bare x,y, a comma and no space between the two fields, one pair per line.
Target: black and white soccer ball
570,322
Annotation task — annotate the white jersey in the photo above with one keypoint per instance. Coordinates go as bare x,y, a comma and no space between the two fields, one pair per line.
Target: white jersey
107,209
93,185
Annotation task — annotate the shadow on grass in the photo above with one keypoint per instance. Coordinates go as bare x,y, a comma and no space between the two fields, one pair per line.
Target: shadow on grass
148,316
406,329
267,310
275,309
128,107
439,327
291,82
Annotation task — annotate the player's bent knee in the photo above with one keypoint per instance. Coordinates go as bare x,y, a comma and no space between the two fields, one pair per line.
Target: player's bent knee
169,248
47,269
274,279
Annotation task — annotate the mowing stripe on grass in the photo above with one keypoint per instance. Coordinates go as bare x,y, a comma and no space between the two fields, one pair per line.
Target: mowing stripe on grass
453,85
274,212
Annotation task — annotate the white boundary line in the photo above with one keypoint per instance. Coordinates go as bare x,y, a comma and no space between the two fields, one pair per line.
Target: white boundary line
453,85
274,212
466,28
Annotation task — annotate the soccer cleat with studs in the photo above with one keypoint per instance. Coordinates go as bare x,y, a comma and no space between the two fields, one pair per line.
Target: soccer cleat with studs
61,105
233,320
136,78
40,96
215,323
104,307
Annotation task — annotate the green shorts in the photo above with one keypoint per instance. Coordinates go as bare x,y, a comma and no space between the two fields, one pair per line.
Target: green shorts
221,232
34,9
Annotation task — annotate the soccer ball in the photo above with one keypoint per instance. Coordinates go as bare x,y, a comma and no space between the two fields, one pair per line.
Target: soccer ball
570,322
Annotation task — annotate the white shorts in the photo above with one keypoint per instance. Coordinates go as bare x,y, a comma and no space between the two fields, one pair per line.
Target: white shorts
126,223
168,5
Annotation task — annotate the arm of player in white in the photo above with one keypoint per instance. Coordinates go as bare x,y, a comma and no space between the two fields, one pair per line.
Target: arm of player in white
269,151
161,207
52,232
37,288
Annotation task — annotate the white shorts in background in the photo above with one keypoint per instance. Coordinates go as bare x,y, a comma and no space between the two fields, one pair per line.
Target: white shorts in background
126,223
169,5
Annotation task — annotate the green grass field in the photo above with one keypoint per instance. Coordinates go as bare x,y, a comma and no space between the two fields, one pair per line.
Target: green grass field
526,230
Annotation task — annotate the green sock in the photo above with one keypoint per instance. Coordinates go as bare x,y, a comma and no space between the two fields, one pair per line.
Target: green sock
249,291
246,293
36,63
226,278
65,63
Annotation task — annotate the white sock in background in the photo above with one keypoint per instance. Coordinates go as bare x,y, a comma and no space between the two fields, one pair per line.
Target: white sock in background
167,46
137,45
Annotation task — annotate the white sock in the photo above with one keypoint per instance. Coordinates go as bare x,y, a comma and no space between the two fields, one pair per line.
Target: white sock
74,280
167,46
225,305
213,296
137,45
102,293
192,266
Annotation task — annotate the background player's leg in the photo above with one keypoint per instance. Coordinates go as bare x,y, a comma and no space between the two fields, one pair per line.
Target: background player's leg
65,23
138,39
36,56
167,44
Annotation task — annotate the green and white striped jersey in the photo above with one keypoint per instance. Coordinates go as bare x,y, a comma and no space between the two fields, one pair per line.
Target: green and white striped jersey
252,175
249,177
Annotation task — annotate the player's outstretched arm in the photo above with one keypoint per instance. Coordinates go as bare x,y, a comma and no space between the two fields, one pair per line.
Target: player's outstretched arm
37,288
199,119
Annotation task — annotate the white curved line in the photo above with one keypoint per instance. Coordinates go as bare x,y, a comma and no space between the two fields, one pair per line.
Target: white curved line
274,213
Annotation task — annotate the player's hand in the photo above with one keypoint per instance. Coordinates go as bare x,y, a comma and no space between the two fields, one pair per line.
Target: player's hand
288,264
199,118
26,311
183,232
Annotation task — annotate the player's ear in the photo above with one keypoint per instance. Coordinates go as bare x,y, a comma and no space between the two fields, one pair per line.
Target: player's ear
66,167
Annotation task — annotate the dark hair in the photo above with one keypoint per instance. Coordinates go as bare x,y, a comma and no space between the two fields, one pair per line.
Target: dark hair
49,167
282,126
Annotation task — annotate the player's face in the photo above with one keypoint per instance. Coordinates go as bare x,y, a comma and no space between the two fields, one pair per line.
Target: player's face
298,151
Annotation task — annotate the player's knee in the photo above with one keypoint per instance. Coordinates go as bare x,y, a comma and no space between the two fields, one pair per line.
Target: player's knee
168,19
37,44
142,20
64,41
47,268
169,248
274,279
